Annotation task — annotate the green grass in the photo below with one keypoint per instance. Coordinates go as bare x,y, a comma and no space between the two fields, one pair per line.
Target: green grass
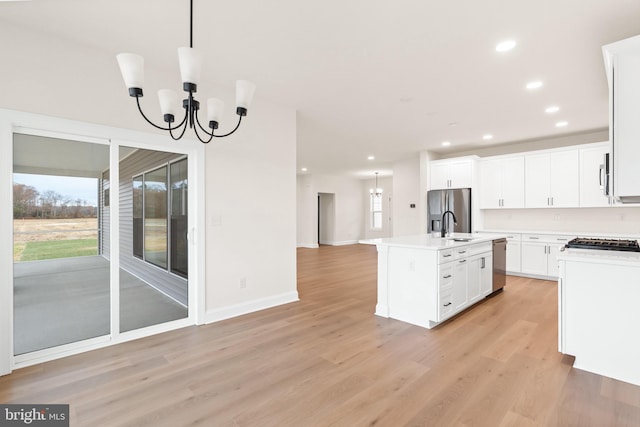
34,251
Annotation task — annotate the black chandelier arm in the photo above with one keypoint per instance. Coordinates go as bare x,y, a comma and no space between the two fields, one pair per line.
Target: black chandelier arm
184,126
145,117
195,129
234,129
202,127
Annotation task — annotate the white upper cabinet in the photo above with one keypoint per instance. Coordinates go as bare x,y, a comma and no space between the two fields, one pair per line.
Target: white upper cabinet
552,180
592,176
622,63
501,183
450,173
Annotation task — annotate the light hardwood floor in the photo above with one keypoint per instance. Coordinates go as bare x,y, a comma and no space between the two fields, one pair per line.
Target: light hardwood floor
327,360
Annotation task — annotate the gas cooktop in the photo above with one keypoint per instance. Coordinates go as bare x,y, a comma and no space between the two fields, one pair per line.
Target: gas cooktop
604,244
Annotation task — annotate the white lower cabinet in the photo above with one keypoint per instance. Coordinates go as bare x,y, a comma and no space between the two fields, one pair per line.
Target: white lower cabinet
514,249
460,284
466,280
540,254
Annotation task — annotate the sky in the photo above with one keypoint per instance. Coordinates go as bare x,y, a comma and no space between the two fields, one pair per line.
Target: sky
74,188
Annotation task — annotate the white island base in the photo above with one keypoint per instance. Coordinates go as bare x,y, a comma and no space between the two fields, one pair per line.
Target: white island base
599,312
424,279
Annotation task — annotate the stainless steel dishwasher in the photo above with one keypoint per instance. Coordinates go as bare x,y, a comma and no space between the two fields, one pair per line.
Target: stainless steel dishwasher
499,264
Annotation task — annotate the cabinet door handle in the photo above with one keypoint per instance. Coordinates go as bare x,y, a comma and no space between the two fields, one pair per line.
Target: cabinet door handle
552,201
447,276
462,252
446,256
548,201
464,260
447,304
482,266
534,238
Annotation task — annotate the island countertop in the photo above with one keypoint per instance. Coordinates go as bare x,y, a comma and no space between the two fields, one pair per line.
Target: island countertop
594,256
434,241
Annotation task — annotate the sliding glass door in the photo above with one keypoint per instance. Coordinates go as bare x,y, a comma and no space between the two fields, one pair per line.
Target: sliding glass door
61,266
153,238
64,197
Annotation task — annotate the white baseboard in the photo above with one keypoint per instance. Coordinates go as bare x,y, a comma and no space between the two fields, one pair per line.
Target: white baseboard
382,310
308,245
235,310
345,242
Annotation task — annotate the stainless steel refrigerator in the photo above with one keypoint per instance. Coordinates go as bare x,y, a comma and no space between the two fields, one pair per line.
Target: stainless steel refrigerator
457,201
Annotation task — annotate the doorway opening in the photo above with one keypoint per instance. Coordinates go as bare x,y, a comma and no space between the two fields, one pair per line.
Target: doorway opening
326,218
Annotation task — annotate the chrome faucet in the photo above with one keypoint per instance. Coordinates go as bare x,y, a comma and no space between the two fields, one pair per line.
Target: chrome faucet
443,228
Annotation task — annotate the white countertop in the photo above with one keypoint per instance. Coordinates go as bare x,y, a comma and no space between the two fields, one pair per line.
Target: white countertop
566,233
594,256
434,241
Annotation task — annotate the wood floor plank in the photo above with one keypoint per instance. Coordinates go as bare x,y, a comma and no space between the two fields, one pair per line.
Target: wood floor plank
327,360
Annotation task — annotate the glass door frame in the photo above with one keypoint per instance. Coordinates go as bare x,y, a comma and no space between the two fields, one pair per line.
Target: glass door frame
17,122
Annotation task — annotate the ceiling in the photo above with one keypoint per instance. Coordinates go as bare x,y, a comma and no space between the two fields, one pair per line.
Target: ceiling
375,77
42,155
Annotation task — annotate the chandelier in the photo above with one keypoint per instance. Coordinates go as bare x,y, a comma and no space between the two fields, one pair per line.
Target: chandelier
132,69
377,191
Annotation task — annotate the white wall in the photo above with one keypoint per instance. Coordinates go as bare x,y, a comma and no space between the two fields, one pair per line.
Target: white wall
406,191
614,220
250,175
251,214
532,145
305,218
347,192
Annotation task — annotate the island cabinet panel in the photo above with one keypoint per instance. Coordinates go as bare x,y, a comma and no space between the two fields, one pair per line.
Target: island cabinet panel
598,296
412,274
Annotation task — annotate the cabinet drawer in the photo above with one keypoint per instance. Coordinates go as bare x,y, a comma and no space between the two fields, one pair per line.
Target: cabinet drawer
445,275
478,248
446,255
560,239
445,308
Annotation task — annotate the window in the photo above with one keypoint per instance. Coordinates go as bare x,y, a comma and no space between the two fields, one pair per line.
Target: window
155,217
160,209
376,211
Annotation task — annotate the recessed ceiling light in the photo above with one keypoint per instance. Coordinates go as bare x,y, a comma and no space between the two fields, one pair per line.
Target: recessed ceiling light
303,169
505,46
552,109
534,85
446,143
371,158
487,137
561,124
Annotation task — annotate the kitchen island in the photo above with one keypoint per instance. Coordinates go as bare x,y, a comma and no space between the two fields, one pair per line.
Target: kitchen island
598,314
426,279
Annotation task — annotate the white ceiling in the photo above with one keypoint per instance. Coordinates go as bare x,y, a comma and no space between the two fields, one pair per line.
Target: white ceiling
376,77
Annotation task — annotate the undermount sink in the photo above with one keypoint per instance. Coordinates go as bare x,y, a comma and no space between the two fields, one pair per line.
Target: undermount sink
460,239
